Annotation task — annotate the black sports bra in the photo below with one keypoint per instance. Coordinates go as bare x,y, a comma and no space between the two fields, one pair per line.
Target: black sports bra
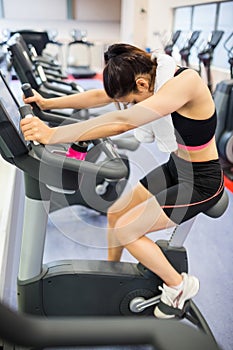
191,133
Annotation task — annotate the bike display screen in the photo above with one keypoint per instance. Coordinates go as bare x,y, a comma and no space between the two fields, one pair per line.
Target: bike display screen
10,103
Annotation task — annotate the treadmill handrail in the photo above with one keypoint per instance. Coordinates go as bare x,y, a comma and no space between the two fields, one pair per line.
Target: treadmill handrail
82,42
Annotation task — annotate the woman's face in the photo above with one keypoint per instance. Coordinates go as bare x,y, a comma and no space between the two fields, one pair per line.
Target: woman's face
134,98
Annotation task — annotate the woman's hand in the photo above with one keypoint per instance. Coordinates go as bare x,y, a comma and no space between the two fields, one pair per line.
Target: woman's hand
35,130
37,98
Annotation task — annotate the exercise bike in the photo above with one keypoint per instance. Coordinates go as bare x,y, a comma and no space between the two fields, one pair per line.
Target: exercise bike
185,51
28,72
168,48
102,193
223,97
206,55
82,287
96,193
37,332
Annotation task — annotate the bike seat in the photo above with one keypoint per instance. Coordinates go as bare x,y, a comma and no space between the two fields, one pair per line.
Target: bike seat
219,208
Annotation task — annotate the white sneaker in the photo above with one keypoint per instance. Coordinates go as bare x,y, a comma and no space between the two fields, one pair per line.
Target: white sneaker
172,300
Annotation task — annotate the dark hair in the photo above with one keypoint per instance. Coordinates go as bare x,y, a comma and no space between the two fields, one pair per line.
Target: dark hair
123,63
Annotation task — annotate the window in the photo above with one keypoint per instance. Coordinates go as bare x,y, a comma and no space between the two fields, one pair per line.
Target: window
206,18
225,23
182,21
183,18
70,9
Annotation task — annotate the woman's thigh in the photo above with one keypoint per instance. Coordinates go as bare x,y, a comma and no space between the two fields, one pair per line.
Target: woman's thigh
184,201
159,177
146,217
129,200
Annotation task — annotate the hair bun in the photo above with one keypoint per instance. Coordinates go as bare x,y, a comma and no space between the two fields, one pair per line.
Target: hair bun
108,55
115,50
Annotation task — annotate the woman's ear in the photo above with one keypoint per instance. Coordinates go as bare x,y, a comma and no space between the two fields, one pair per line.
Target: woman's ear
142,84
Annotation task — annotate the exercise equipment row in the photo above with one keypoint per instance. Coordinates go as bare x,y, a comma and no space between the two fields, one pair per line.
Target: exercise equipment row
38,41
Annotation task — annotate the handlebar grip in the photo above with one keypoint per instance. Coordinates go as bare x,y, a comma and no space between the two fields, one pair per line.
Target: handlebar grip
26,112
48,117
27,90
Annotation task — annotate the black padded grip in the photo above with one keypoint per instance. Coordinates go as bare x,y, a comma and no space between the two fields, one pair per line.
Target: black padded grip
25,110
27,90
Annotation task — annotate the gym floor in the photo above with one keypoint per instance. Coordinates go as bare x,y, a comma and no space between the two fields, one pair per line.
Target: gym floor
80,233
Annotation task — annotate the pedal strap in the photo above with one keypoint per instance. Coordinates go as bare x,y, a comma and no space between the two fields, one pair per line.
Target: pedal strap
169,310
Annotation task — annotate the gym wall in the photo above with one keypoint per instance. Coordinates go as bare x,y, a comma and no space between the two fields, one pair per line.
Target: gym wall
103,27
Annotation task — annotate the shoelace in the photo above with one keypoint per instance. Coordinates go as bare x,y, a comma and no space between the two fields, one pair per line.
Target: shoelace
175,301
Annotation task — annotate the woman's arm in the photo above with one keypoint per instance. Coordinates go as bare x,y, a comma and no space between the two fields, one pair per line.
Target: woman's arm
173,95
87,99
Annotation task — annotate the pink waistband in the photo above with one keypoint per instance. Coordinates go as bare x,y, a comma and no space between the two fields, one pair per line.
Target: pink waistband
193,148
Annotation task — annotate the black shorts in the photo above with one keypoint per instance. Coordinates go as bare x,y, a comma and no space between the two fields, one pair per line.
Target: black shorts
185,189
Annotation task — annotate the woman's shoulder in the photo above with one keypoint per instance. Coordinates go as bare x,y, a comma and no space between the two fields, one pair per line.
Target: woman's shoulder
186,72
188,79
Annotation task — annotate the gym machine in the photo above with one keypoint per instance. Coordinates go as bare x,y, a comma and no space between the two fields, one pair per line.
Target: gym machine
223,97
39,40
98,194
186,49
107,190
80,40
229,50
168,48
82,287
206,55
17,330
38,80
36,76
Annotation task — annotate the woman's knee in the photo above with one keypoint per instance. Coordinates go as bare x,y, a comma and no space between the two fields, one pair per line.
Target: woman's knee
112,216
126,202
124,232
116,210
137,222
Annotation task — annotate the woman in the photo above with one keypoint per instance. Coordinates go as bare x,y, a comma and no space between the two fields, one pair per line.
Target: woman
189,183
